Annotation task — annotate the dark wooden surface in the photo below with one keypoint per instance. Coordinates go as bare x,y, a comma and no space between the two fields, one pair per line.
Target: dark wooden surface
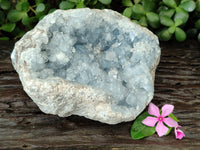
24,126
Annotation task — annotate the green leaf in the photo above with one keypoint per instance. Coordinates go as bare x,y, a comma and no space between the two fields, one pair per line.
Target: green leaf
153,19
127,3
198,6
5,4
22,6
197,24
139,130
138,9
127,12
143,21
93,2
170,3
169,12
137,1
41,17
149,5
166,21
8,27
182,14
172,29
164,35
180,34
14,15
66,5
40,7
80,5
26,20
51,10
198,37
188,6
178,22
4,38
169,130
135,21
2,17
106,2
74,1
162,7
182,1
39,14
172,116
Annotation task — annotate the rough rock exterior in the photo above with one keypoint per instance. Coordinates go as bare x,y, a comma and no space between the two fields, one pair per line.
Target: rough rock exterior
87,62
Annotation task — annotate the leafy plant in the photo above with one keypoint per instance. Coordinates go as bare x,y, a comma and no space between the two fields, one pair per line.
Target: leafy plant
139,130
166,18
197,23
19,16
142,12
169,19
154,120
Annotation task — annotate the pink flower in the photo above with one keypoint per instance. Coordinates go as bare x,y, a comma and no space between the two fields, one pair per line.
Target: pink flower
179,134
161,129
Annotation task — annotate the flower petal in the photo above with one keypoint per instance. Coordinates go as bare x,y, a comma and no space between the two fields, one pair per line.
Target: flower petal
179,133
167,109
150,121
153,110
170,122
161,129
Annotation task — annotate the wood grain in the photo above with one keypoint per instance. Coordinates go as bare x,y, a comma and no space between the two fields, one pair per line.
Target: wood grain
24,126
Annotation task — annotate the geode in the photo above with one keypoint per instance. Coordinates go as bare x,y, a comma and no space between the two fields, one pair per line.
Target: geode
88,62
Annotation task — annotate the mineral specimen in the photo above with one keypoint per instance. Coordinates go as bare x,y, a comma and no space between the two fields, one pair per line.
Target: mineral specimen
87,62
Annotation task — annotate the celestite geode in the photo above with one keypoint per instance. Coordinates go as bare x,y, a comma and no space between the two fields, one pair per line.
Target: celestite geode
88,62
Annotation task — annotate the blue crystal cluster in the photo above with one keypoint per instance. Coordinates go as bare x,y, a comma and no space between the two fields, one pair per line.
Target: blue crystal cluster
100,53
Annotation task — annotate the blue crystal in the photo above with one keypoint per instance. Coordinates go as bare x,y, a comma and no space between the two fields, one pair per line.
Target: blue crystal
102,56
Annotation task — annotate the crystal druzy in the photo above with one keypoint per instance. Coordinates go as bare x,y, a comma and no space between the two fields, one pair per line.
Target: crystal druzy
87,62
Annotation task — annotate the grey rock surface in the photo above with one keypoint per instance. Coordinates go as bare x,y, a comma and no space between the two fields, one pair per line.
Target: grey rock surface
88,62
